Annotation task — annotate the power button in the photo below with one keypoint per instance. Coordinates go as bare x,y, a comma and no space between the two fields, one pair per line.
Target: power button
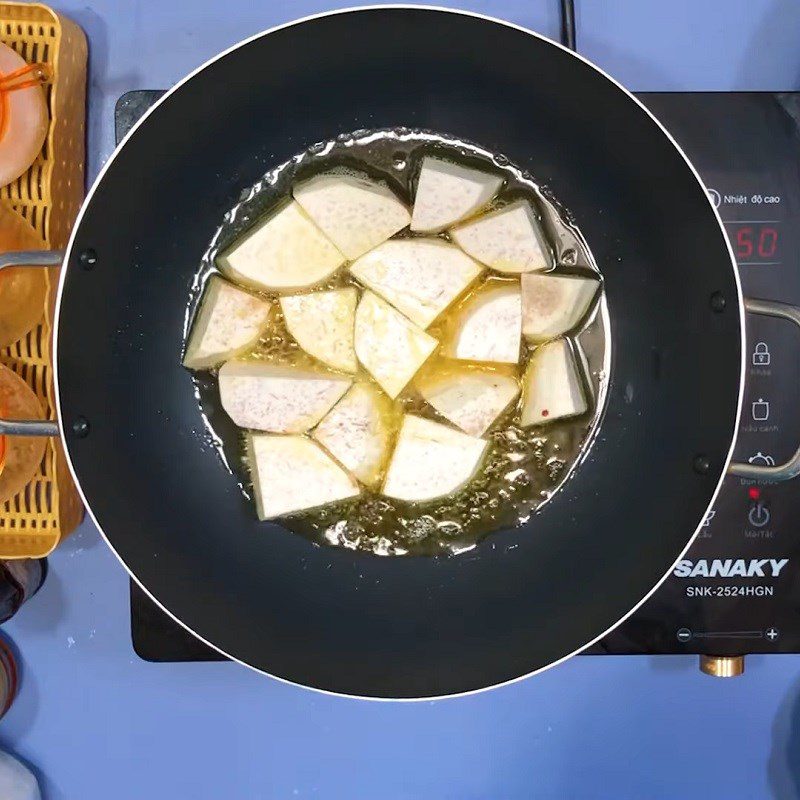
759,515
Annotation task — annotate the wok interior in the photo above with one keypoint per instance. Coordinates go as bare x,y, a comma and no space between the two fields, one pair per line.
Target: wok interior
357,623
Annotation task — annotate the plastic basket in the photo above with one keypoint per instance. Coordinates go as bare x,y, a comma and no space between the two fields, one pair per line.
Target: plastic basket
48,195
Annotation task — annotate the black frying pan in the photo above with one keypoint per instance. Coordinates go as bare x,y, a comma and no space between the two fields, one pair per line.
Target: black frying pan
355,623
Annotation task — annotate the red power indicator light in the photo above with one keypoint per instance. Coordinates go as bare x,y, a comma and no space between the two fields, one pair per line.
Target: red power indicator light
754,492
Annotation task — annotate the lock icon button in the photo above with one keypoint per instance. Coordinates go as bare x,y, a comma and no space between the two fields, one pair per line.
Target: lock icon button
761,355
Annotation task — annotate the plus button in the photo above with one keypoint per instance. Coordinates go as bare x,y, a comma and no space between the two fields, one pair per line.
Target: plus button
772,634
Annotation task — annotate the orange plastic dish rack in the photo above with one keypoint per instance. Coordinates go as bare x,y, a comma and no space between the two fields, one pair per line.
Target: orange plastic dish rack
49,196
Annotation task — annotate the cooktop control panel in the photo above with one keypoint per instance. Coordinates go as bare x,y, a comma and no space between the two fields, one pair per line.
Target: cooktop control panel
737,590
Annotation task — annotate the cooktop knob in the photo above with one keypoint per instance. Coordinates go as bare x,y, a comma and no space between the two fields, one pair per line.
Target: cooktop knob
722,666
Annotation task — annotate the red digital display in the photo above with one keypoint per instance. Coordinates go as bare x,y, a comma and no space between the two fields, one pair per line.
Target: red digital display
755,242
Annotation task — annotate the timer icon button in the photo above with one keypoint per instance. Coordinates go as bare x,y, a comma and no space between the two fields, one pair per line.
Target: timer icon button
759,515
762,460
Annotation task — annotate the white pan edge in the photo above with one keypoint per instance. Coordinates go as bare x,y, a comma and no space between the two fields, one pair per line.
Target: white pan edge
487,18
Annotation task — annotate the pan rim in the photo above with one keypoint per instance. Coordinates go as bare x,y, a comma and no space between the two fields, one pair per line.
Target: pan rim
368,8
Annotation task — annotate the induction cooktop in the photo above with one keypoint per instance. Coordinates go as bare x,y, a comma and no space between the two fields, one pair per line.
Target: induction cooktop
737,591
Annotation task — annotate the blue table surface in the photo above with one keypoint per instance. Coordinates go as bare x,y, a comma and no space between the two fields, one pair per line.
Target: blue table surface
96,722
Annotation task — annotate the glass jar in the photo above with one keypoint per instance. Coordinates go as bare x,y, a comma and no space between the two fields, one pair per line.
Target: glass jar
19,581
23,290
8,677
23,113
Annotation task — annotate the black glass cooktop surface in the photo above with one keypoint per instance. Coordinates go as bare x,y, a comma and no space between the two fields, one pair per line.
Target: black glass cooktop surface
737,590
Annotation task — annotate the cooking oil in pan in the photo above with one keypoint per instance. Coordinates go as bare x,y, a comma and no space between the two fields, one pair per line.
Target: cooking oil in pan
524,466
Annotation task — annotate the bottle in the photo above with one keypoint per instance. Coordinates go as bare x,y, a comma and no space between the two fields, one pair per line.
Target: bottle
20,579
17,782
21,455
8,678
23,113
23,290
